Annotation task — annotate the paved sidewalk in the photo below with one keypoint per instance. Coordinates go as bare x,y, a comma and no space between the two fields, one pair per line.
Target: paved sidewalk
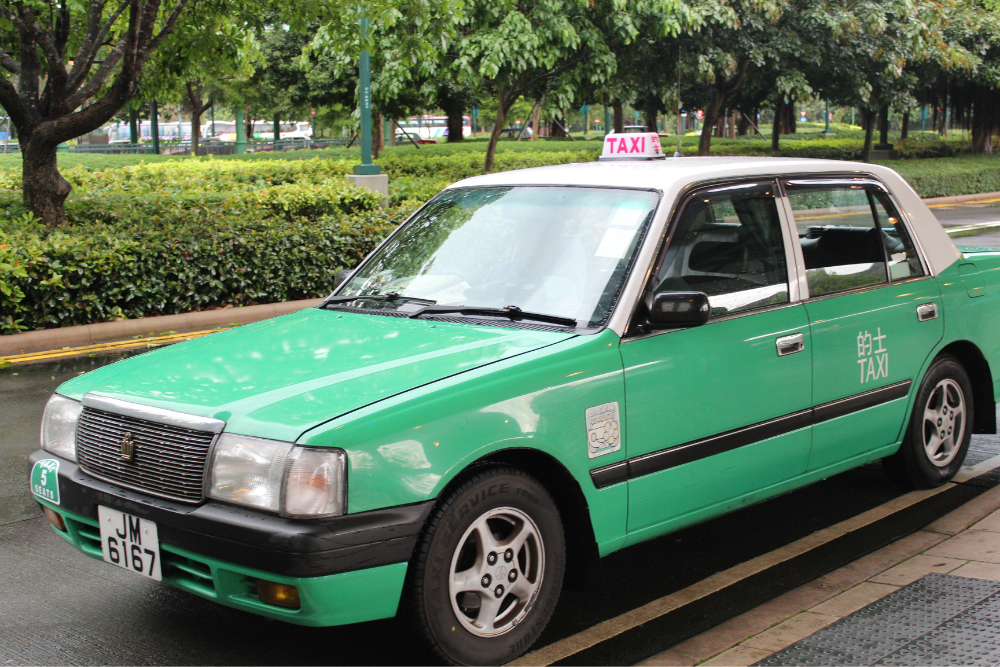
964,543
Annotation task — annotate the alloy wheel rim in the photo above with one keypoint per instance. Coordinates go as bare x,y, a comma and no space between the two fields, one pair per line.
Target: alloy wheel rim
496,572
944,422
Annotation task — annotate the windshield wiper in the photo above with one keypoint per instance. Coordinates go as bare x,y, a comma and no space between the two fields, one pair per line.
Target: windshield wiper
513,312
389,296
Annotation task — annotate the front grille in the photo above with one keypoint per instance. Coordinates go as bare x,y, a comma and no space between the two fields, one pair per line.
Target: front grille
168,461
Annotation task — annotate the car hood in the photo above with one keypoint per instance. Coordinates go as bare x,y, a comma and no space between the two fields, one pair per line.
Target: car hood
279,378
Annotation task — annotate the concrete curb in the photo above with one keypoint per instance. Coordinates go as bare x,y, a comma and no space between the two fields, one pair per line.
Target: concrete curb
54,339
961,199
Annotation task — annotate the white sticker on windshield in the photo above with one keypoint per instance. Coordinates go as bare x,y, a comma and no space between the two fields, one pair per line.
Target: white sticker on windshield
615,243
603,430
629,214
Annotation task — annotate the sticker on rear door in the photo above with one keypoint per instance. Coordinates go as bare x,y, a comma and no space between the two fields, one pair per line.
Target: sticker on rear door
45,480
873,356
603,430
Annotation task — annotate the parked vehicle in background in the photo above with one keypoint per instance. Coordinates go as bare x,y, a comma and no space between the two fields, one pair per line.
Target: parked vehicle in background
430,127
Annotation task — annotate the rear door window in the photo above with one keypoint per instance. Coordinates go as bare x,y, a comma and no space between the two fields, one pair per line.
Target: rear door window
841,241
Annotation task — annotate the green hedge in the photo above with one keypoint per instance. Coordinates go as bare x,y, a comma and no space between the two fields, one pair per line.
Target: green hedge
180,259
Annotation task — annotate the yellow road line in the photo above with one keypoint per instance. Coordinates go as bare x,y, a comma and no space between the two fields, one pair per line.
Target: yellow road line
974,201
107,347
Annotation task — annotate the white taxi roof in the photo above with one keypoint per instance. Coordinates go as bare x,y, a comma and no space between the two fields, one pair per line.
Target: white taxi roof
673,175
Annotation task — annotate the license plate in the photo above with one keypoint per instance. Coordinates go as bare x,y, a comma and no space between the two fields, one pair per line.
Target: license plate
129,542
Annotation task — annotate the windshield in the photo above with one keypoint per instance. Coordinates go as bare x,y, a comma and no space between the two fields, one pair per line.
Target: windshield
560,251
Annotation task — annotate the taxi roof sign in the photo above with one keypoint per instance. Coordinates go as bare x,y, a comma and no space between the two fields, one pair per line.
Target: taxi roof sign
632,146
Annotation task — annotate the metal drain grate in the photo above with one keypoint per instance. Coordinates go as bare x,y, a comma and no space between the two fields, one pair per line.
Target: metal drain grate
937,620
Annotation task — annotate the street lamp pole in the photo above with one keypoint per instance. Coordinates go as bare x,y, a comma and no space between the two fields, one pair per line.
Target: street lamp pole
154,126
366,168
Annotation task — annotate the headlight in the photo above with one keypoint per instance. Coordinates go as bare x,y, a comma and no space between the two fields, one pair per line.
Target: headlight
316,484
248,471
59,426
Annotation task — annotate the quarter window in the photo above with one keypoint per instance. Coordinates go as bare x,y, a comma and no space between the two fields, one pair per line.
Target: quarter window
841,242
903,259
727,243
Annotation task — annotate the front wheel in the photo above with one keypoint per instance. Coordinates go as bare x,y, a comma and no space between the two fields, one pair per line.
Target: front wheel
940,428
489,568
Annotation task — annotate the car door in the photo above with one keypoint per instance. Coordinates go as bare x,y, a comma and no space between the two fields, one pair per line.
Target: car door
717,412
873,315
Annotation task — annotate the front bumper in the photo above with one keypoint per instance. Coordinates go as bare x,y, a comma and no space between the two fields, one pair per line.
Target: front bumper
348,569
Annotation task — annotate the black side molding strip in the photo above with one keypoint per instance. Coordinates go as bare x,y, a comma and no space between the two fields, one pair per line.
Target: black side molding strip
695,450
868,399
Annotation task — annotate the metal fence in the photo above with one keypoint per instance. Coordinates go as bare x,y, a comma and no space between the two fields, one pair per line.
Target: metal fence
205,147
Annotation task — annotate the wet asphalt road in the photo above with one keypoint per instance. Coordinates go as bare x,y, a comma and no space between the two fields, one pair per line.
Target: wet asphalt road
60,607
971,214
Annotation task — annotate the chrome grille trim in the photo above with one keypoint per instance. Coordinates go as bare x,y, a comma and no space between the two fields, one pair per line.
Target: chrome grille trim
171,457
157,415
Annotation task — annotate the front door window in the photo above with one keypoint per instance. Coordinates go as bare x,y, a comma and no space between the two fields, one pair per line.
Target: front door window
728,244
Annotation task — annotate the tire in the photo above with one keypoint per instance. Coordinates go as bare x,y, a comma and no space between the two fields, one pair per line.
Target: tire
463,620
940,429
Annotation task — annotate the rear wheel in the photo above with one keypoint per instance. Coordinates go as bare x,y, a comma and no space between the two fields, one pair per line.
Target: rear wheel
940,428
489,568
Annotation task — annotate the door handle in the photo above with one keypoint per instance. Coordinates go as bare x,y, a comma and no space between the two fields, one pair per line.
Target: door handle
927,311
790,344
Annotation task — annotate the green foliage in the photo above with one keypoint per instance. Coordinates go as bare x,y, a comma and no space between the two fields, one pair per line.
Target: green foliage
188,235
139,266
946,177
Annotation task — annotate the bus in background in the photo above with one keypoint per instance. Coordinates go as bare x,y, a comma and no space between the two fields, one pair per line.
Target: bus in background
429,127
121,133
263,130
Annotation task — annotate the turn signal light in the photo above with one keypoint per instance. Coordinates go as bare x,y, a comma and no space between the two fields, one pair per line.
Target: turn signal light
55,518
280,595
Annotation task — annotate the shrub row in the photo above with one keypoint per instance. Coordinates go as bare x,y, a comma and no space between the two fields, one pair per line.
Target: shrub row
186,260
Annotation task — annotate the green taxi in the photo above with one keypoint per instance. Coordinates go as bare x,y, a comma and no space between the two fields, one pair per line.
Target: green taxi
538,368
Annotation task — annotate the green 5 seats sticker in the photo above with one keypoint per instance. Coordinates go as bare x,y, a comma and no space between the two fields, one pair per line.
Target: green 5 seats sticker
45,480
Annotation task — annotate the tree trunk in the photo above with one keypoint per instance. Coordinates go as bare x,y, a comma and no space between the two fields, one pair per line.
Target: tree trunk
536,116
868,120
557,127
776,126
651,120
790,120
195,130
985,119
904,127
43,188
619,117
491,147
455,124
711,119
743,126
391,139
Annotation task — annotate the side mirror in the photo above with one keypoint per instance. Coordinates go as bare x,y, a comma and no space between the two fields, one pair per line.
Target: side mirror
671,310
